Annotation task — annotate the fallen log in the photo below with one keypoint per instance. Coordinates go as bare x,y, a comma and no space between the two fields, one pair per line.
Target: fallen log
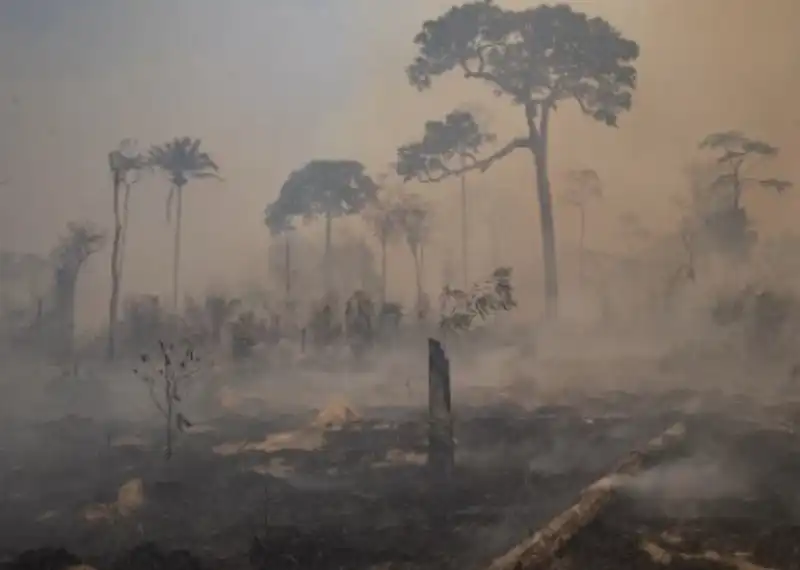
538,551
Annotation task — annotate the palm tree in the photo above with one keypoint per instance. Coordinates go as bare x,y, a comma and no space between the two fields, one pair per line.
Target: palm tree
123,163
181,160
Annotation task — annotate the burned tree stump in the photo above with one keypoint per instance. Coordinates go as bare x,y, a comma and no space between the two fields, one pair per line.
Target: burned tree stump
441,448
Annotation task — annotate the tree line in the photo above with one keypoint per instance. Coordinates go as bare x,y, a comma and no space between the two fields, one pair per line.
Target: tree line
537,60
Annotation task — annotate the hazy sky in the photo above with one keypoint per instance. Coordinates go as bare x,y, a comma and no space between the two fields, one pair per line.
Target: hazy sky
270,84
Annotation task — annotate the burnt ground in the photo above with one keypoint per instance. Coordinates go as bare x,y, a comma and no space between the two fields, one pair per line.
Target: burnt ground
356,495
726,498
359,499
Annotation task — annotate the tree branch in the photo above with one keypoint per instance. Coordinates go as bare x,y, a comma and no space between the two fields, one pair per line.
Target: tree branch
481,73
482,165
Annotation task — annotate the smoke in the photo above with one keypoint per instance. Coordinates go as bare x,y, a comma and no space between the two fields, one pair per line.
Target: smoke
269,87
682,486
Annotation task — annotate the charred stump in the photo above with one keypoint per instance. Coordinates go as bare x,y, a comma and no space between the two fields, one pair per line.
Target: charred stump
441,447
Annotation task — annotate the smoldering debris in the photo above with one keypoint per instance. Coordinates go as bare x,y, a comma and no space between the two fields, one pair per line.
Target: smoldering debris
682,485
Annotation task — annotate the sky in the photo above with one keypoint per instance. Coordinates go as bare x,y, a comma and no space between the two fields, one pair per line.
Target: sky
268,85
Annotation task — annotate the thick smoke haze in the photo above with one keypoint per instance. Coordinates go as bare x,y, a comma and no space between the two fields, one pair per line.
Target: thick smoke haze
270,85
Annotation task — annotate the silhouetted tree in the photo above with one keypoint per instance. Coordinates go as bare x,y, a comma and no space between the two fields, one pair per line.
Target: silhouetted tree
81,241
724,218
582,186
219,309
124,164
182,161
538,58
413,218
327,189
738,151
279,225
447,145
383,217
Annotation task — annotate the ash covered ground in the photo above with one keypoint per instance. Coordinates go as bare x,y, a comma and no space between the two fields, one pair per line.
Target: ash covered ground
338,479
725,498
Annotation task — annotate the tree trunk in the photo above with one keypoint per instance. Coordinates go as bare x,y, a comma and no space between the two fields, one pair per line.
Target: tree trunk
737,184
493,237
383,269
170,401
417,277
421,262
288,263
464,260
113,303
366,265
581,238
65,282
176,260
124,240
327,261
539,149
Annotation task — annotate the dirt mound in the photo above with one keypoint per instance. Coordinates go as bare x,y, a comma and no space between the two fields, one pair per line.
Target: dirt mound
337,413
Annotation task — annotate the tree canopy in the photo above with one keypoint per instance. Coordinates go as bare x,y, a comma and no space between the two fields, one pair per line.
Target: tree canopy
322,187
277,223
721,221
446,145
581,186
537,58
80,242
182,160
124,161
413,219
383,216
735,150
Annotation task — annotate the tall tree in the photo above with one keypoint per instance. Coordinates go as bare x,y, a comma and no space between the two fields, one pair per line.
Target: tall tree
718,202
537,58
219,310
382,216
124,164
582,186
413,218
326,189
737,152
277,226
81,241
451,144
182,161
